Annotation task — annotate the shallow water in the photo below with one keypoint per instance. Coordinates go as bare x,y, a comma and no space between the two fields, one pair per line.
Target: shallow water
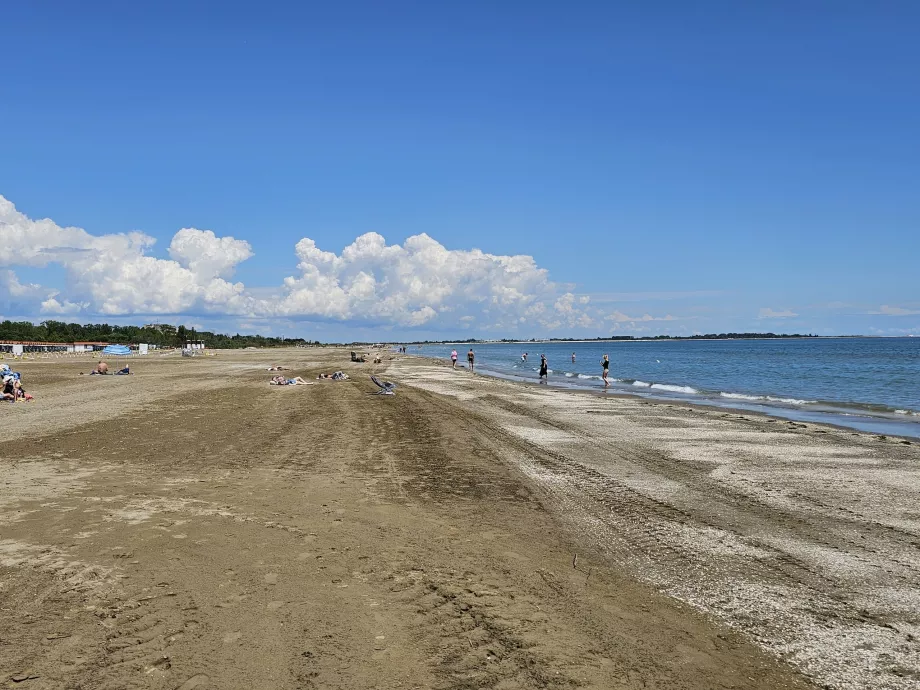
871,384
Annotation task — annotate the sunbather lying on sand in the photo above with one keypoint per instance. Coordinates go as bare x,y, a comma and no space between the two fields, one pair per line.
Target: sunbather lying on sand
276,369
296,381
337,376
101,368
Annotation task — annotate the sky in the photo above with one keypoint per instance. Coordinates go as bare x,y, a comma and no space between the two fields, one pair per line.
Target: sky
400,170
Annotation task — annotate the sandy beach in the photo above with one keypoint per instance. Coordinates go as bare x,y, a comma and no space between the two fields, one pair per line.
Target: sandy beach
191,526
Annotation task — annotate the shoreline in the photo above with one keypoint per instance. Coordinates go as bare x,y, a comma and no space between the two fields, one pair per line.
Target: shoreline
779,529
819,417
647,340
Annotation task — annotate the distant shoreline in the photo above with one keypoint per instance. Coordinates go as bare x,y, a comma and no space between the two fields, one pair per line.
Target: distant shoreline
648,340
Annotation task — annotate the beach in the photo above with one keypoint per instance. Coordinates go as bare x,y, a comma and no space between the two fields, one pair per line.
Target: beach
190,526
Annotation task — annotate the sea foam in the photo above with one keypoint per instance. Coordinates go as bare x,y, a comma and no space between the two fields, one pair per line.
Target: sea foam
741,396
674,389
767,398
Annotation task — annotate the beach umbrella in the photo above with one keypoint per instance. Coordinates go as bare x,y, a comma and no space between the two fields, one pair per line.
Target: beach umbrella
116,350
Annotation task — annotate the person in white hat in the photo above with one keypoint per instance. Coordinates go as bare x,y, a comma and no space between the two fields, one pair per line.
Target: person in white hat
9,389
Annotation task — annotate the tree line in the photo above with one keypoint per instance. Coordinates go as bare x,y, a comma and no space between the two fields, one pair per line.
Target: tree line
161,335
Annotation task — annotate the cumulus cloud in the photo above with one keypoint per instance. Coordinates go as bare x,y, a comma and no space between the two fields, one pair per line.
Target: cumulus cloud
111,274
768,313
205,254
887,310
54,306
9,283
410,284
416,283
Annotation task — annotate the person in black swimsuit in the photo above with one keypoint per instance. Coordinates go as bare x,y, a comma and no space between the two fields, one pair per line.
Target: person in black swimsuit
544,369
471,358
605,363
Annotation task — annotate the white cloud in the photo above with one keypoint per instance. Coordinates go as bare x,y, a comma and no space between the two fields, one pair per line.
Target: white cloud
53,306
620,317
10,285
410,284
887,310
205,254
768,313
21,297
111,274
418,282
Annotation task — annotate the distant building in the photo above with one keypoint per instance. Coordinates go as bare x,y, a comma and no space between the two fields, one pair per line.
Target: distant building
19,347
194,344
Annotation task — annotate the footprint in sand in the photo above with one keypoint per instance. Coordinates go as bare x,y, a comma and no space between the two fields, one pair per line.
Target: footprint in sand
229,638
271,578
275,605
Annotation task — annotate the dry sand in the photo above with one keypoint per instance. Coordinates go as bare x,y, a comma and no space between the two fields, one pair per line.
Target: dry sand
192,527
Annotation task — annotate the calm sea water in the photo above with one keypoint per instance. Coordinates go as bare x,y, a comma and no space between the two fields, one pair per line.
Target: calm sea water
867,383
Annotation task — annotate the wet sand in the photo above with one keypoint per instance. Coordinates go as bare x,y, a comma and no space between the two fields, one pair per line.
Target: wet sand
192,527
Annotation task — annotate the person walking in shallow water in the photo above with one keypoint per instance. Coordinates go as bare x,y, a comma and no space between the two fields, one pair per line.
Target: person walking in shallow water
471,357
573,358
544,369
453,358
605,363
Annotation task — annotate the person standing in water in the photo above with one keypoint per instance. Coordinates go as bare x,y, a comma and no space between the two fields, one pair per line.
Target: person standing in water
573,358
453,358
524,357
605,363
544,369
470,357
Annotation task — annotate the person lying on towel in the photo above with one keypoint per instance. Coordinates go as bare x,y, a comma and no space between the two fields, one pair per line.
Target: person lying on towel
282,381
337,376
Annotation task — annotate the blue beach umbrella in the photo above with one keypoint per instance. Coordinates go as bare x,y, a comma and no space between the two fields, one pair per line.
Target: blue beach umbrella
116,350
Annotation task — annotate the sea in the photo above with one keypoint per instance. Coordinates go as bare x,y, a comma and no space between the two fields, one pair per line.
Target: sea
869,384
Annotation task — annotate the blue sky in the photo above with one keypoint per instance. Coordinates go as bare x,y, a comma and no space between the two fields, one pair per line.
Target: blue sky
674,167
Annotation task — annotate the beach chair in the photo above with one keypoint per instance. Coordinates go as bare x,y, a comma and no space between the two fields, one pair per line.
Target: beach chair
386,387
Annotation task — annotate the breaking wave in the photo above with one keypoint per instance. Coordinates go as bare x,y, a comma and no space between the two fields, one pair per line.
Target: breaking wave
687,390
768,398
